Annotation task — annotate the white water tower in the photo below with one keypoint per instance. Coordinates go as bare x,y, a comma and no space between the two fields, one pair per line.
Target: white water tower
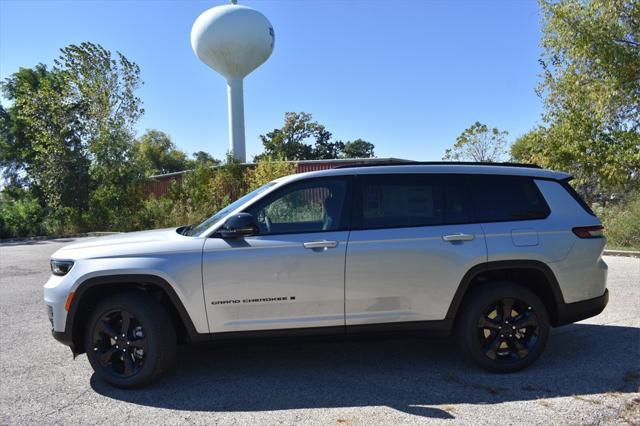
233,40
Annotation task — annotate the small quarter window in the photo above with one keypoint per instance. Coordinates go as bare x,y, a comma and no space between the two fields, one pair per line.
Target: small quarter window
506,198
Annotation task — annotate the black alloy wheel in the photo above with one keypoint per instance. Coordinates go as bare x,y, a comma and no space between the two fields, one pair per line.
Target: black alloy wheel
508,330
502,326
120,343
130,339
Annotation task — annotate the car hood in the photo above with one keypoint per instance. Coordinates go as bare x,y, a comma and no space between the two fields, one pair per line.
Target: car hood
125,244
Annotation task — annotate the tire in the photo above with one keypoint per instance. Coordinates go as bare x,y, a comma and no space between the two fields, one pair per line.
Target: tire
145,352
503,343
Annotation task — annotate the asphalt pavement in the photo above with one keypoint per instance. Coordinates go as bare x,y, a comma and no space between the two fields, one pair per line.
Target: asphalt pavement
589,373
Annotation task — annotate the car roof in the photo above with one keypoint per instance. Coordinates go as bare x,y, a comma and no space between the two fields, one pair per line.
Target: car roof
473,169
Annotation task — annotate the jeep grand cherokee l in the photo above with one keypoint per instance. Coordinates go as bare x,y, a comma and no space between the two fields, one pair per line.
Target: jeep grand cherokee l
495,253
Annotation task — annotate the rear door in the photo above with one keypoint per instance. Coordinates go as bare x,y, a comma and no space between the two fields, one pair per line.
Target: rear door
290,275
410,245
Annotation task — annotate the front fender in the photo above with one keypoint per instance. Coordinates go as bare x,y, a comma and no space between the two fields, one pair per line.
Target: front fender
179,276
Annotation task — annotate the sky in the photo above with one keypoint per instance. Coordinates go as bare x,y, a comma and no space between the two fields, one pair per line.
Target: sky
408,76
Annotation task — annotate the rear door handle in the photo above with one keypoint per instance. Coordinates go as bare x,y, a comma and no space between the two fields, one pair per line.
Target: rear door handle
458,237
320,244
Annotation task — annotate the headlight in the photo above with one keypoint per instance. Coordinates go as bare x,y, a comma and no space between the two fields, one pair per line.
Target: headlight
61,267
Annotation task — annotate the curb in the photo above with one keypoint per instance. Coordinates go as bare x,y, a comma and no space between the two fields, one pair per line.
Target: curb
625,253
55,237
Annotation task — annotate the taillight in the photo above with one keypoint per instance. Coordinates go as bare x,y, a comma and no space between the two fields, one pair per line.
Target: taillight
589,231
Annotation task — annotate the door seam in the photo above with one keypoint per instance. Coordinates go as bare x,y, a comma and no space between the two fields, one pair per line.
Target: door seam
344,283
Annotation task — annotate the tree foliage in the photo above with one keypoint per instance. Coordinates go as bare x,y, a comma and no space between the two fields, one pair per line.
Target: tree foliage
22,216
622,222
43,140
301,138
105,84
157,154
479,143
591,89
267,170
591,58
67,136
204,158
358,149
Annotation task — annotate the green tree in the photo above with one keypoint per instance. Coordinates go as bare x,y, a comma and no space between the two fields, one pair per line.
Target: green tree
42,141
324,148
358,149
479,143
68,133
591,89
202,157
301,138
14,155
157,154
104,85
290,141
591,58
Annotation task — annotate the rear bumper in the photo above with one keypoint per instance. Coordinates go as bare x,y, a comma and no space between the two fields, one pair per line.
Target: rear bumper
572,312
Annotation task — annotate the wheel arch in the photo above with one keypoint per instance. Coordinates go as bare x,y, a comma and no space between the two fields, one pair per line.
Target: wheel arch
534,275
91,291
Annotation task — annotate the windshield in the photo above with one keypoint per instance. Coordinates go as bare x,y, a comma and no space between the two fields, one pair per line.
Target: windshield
197,230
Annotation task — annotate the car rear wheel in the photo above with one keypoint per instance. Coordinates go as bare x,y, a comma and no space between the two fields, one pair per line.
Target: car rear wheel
503,327
130,340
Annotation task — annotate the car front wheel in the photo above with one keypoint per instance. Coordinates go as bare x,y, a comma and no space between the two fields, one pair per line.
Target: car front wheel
503,327
130,340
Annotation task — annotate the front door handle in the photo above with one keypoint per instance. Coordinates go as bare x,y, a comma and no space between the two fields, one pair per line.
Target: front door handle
458,237
320,244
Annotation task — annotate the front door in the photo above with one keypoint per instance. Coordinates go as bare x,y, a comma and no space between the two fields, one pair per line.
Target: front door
290,275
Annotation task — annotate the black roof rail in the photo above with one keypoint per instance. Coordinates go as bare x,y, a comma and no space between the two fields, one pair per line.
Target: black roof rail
439,163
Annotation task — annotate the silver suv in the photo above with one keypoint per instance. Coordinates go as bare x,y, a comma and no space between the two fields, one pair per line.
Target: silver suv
496,253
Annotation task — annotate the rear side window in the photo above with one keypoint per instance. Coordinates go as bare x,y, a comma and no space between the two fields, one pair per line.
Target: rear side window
399,201
458,204
499,198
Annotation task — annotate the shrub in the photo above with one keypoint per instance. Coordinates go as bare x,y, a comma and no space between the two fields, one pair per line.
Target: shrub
203,192
622,223
266,170
21,218
206,190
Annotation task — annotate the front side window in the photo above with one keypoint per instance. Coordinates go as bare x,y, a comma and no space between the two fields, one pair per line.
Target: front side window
313,206
201,228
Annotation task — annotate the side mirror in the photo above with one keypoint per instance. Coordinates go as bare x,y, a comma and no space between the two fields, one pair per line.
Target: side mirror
239,225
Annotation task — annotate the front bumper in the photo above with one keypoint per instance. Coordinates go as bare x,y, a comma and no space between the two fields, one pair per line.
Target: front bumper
63,338
56,291
573,312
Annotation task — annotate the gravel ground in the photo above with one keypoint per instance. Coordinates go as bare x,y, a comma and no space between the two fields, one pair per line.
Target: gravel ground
589,373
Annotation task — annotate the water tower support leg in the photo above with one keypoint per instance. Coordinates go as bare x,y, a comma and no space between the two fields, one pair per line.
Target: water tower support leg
236,119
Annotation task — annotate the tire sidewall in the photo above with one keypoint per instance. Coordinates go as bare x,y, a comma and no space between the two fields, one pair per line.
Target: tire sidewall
475,307
139,307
